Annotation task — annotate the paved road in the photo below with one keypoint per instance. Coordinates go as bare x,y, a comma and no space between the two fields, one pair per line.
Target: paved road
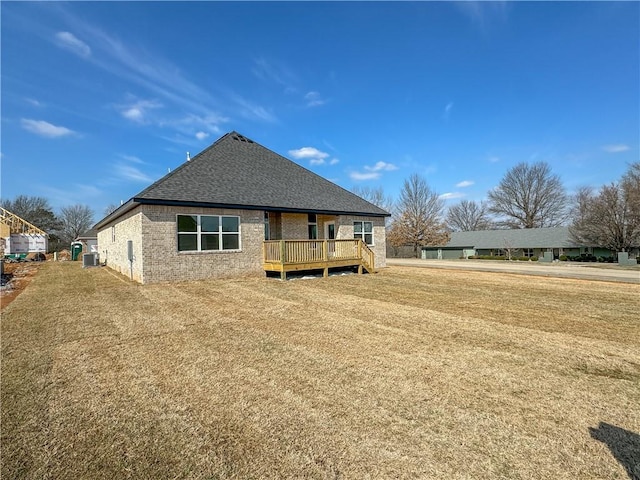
557,269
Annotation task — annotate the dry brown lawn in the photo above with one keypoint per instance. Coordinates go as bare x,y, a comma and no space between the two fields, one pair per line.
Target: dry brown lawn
410,373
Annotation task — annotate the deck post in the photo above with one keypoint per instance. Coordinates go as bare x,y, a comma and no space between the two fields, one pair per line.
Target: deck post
283,252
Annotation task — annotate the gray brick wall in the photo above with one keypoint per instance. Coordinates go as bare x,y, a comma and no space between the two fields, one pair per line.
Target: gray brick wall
344,226
112,244
161,262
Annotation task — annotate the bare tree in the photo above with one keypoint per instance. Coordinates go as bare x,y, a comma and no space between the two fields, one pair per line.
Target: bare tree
35,210
75,220
609,218
510,249
529,197
375,196
109,209
468,216
419,216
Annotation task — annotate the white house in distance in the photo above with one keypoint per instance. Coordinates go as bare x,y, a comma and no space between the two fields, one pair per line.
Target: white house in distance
238,208
19,237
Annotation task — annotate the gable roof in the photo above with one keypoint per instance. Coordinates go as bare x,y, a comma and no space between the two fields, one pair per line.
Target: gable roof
520,238
236,172
90,234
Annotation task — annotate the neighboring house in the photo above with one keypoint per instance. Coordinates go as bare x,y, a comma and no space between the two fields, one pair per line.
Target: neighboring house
19,237
89,241
238,208
528,242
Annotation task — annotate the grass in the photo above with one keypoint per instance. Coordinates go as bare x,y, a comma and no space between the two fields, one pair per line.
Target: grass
410,373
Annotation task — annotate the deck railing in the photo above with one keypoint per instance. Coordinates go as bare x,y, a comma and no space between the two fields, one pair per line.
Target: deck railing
287,254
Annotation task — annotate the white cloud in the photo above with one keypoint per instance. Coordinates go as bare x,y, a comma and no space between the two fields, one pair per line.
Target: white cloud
373,173
201,135
359,176
483,13
33,102
132,159
252,111
279,74
464,183
447,111
154,74
308,153
315,156
45,129
616,148
381,166
138,110
451,195
494,159
130,173
314,99
70,42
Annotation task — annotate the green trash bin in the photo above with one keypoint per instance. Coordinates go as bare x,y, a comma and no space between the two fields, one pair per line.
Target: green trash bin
76,249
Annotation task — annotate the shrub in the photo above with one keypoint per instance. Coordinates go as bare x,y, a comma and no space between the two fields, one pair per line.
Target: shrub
486,257
563,258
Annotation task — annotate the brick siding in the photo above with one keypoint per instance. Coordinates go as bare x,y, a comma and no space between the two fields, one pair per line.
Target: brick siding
160,261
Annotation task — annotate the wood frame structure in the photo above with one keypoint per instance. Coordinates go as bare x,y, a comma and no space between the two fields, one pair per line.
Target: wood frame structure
294,255
19,225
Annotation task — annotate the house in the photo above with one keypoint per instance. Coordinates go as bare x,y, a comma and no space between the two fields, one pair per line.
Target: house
18,238
88,240
530,242
238,208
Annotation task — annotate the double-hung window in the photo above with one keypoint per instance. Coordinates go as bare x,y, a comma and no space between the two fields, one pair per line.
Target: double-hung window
202,233
312,226
364,231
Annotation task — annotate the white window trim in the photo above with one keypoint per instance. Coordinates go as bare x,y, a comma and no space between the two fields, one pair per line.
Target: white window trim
372,244
199,233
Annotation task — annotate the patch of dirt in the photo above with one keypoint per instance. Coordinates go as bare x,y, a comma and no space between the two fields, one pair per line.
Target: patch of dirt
15,279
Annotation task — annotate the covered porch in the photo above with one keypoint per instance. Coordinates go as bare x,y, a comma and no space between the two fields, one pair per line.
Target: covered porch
295,255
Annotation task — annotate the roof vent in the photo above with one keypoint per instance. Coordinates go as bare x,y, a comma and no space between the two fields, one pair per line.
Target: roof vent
240,138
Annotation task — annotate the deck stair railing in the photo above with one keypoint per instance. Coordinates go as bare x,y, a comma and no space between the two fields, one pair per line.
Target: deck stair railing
291,255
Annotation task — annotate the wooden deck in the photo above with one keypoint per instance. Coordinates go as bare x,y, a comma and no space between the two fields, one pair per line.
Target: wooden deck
294,255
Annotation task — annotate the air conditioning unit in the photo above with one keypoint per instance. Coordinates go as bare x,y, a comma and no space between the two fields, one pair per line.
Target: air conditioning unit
89,260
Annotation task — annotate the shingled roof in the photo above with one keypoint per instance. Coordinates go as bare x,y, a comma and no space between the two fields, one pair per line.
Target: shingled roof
522,238
236,172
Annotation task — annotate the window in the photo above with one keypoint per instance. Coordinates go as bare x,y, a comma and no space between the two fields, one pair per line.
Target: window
313,226
208,232
364,231
528,252
267,229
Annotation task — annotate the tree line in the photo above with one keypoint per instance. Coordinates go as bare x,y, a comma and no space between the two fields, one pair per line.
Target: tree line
528,196
63,228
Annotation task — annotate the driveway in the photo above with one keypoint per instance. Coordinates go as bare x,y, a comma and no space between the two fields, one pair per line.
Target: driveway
607,273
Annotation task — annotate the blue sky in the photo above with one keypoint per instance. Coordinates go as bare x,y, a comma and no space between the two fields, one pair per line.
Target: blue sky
99,99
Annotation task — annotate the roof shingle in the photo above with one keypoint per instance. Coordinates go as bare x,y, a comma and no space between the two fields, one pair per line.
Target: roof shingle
524,238
236,171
